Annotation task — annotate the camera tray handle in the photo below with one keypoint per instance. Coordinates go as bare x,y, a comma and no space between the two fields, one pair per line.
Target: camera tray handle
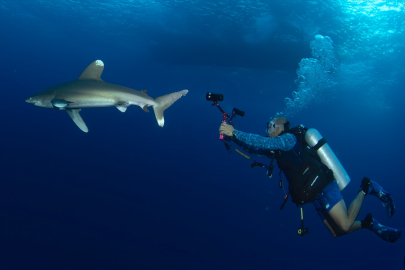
225,116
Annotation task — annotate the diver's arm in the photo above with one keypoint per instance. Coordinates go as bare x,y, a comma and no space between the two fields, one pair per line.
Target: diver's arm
260,146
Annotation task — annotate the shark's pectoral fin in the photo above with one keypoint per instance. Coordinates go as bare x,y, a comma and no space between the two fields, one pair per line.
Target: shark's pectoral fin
145,108
74,114
122,106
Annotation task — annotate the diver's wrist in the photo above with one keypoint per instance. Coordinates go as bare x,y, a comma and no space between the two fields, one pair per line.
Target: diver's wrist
235,132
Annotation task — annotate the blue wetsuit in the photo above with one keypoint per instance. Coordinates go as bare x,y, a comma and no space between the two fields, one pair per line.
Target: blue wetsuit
262,146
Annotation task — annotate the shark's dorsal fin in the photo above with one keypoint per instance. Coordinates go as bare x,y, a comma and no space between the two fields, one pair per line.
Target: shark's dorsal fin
145,91
93,71
74,114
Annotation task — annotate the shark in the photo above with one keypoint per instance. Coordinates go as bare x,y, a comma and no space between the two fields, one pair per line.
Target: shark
90,91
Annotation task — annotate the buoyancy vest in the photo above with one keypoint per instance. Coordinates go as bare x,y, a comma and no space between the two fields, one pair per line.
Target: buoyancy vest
306,174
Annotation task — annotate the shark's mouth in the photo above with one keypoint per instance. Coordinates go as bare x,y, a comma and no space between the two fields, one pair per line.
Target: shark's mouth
38,103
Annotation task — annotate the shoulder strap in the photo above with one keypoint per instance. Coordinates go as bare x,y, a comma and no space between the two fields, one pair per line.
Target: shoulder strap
298,131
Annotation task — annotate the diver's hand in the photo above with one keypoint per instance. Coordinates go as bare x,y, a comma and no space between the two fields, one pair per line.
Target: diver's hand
226,129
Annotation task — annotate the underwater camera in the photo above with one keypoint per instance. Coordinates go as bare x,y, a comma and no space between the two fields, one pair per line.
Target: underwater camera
225,116
214,97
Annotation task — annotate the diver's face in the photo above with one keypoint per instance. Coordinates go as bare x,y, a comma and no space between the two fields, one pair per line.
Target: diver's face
274,130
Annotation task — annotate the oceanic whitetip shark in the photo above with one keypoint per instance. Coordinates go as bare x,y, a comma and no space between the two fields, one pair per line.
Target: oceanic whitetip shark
90,91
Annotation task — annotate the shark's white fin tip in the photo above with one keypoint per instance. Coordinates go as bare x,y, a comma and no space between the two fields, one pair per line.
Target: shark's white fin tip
161,122
75,115
93,71
99,63
122,107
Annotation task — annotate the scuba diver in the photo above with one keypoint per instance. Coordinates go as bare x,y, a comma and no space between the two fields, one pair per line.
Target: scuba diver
311,179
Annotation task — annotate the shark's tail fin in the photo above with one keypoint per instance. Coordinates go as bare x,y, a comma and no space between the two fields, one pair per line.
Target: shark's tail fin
165,102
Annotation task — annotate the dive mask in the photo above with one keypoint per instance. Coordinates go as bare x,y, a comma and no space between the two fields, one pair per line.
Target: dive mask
271,125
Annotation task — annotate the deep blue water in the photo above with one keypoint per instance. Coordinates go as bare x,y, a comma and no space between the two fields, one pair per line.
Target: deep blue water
132,195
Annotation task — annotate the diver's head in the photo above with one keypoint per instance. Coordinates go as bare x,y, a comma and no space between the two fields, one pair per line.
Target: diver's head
277,125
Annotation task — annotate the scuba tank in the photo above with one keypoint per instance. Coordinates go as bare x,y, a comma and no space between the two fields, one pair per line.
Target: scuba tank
312,137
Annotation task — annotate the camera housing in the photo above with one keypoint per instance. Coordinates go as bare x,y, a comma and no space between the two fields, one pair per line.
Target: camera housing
214,97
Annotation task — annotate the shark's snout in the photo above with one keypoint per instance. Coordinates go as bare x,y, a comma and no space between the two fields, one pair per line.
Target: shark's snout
34,101
30,100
